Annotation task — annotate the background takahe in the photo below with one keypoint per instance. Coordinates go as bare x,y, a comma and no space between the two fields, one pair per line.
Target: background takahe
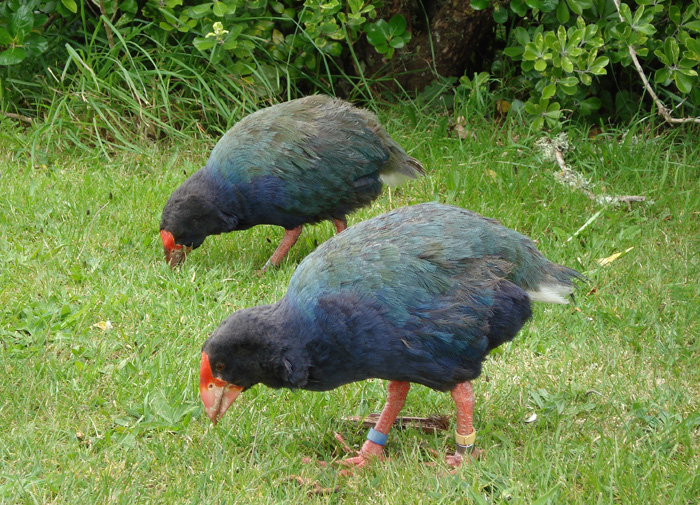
420,294
303,161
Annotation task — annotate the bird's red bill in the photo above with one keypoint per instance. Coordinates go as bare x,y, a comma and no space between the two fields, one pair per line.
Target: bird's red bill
217,394
174,253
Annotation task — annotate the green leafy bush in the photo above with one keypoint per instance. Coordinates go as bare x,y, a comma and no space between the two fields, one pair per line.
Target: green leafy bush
245,35
20,30
574,54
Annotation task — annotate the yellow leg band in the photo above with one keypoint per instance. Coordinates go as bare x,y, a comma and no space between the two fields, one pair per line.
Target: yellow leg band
465,440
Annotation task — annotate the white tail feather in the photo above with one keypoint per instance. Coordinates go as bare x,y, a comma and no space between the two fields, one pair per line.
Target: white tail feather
394,179
551,293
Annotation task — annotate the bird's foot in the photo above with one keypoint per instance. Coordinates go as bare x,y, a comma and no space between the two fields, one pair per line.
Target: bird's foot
369,452
268,265
456,460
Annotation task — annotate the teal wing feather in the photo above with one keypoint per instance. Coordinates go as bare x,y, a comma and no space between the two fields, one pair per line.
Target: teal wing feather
425,245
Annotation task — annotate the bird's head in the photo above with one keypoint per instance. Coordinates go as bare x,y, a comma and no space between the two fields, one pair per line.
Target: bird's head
232,361
246,349
188,219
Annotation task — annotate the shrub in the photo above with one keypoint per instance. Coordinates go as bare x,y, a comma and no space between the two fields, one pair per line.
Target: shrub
574,55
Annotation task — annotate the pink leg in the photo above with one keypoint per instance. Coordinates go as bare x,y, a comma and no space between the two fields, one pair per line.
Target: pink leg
289,239
340,224
463,396
394,402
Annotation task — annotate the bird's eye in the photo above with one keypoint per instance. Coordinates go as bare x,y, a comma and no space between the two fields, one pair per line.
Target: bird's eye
219,367
210,386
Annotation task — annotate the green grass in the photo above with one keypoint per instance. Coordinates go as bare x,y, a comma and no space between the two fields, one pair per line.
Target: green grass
93,416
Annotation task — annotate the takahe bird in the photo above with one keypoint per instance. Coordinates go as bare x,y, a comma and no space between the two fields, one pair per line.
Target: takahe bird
420,294
302,161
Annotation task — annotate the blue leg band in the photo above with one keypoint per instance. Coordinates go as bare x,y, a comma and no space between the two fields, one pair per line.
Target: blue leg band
377,437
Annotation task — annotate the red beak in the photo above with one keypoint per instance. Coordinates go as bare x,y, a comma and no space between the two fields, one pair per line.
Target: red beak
217,394
174,253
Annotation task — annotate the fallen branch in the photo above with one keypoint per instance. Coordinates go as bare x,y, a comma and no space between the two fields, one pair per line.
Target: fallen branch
555,148
429,424
663,110
18,117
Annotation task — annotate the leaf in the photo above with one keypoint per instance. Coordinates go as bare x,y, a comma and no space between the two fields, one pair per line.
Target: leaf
199,11
589,105
502,106
575,6
397,43
532,108
549,5
554,109
598,66
683,82
530,53
333,48
70,5
521,35
500,15
575,38
514,52
606,261
540,65
375,36
397,24
662,75
519,7
671,49
129,6
219,9
35,45
5,37
103,325
21,21
12,56
567,65
693,25
674,14
646,29
686,66
626,13
203,44
549,90
563,14
478,5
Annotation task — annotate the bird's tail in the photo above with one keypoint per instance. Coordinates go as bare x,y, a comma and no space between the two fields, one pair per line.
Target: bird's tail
400,167
557,285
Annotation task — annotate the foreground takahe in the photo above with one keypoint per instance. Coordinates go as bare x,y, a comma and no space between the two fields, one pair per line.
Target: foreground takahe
421,294
303,161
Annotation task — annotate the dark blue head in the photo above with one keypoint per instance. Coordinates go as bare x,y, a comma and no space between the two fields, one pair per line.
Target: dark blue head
193,212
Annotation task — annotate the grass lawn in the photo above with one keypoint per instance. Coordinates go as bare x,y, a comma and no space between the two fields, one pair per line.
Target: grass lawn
93,414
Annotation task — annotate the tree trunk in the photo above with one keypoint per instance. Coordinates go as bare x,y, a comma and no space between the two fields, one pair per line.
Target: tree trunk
448,38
